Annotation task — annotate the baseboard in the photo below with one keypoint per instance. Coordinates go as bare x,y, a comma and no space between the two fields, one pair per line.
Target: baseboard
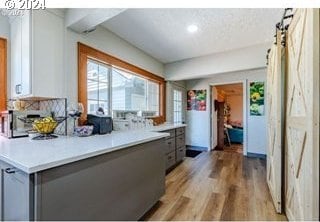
257,155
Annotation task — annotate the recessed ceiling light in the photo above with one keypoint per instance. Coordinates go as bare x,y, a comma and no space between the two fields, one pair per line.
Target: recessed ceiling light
192,28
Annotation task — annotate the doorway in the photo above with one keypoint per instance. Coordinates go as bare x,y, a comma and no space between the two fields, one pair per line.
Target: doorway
228,117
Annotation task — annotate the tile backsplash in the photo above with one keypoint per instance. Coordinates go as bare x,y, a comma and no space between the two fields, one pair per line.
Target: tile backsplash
56,107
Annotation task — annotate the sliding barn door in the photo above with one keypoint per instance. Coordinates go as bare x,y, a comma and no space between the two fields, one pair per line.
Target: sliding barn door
302,116
275,124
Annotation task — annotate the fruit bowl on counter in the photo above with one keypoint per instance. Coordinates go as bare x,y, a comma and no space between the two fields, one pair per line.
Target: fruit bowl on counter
45,127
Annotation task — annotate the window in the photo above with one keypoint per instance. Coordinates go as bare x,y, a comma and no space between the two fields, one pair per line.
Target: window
113,84
153,98
131,92
177,106
97,86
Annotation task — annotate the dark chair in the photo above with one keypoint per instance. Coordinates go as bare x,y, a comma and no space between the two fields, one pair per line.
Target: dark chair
236,135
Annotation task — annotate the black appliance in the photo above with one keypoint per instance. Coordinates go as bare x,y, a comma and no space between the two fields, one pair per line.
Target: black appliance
101,124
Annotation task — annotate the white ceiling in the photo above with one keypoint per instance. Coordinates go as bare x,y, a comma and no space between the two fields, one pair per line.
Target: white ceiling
162,33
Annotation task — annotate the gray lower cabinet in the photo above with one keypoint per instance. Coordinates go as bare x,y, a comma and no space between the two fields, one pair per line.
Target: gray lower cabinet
175,147
170,159
171,145
121,185
16,194
180,153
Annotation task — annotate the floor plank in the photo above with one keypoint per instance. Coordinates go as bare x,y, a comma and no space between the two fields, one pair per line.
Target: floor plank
216,185
177,208
214,207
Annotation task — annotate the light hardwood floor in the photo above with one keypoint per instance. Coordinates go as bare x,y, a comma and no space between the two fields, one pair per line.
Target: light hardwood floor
216,185
234,147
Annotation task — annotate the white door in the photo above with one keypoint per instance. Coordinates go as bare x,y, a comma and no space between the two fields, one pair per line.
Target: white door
302,117
275,124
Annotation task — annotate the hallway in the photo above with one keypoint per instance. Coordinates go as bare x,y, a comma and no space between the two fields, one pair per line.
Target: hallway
216,186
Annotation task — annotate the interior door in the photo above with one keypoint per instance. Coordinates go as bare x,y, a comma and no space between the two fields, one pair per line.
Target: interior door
302,117
274,124
220,119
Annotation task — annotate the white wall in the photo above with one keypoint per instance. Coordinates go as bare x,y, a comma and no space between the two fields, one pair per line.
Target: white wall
198,122
198,130
252,57
5,33
107,42
236,107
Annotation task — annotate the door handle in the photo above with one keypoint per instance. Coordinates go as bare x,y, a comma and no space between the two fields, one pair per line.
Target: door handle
10,170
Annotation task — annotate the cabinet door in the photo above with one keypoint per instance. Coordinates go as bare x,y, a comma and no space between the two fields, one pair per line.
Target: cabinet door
179,131
20,56
170,159
180,153
180,141
25,54
15,195
16,56
171,145
48,73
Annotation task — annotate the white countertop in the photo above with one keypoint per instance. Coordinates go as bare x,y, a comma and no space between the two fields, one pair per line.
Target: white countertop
165,127
32,156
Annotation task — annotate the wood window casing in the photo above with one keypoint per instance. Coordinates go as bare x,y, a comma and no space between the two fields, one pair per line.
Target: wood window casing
86,52
3,74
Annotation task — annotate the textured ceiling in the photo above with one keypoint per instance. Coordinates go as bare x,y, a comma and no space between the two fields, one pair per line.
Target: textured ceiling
162,33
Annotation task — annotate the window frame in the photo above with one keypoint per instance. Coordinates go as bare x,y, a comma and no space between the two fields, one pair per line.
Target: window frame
86,52
109,82
181,105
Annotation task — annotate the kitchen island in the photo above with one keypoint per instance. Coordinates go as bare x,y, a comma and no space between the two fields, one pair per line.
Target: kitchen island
118,176
110,177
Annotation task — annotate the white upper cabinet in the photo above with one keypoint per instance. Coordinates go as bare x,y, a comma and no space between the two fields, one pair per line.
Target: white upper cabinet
25,55
37,40
20,55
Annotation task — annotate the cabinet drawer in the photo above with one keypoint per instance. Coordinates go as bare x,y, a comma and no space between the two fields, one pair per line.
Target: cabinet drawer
171,132
180,141
170,159
171,145
180,153
180,131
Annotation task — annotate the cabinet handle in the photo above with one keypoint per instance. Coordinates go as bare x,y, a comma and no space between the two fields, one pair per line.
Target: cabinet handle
10,170
18,89
169,143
